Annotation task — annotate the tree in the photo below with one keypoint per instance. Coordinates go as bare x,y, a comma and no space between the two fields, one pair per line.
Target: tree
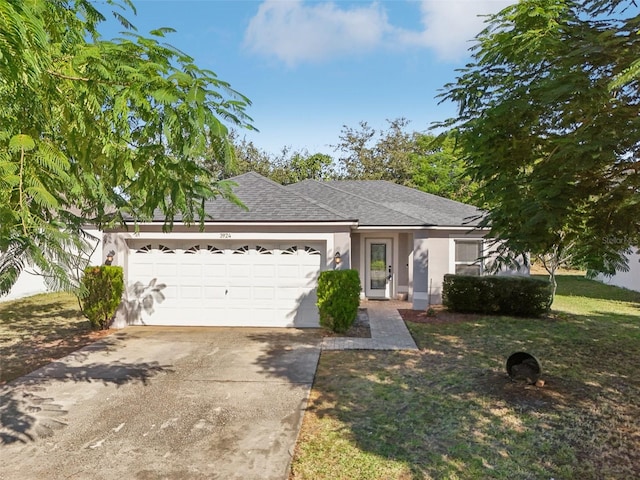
418,160
438,168
366,154
548,120
245,157
286,168
298,166
95,131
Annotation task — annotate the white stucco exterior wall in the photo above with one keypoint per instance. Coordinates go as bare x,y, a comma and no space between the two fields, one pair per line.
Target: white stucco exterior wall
30,283
630,279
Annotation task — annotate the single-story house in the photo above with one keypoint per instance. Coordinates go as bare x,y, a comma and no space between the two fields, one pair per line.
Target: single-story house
630,279
259,266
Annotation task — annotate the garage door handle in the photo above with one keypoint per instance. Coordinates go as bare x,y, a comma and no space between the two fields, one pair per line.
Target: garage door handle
226,291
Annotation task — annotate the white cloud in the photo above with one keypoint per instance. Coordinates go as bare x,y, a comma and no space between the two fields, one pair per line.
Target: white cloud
295,31
450,25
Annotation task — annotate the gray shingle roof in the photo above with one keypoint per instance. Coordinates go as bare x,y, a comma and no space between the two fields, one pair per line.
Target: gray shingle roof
378,203
369,202
269,201
366,211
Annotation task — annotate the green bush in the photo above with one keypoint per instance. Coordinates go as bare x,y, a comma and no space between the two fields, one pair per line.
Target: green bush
338,299
501,295
102,292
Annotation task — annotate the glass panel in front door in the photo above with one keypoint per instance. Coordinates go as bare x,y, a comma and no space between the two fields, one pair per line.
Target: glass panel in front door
378,266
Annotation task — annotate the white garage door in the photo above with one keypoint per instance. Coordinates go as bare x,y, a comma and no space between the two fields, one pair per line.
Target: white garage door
218,284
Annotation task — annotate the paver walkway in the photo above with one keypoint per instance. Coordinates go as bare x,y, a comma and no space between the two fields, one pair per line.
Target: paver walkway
388,331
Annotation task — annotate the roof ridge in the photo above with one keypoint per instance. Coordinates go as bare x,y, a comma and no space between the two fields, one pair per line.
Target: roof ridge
370,199
289,192
413,191
315,202
254,174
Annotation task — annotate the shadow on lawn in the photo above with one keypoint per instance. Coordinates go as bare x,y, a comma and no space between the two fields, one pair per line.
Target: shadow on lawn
450,410
39,329
29,311
27,408
448,420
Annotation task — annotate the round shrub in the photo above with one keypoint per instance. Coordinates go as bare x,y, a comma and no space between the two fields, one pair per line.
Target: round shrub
338,299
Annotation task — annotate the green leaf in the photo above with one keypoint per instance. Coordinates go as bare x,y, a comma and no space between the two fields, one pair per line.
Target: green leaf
21,142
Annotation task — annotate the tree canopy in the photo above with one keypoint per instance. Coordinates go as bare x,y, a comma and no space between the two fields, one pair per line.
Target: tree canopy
548,120
414,159
419,160
96,130
289,166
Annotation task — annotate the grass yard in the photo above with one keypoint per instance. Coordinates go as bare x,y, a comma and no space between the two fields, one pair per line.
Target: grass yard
450,411
40,329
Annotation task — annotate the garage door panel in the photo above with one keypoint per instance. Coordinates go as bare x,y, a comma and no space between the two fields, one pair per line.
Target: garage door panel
166,270
239,292
262,271
214,281
145,270
264,293
239,271
288,271
229,285
214,292
215,270
289,293
191,271
171,293
190,292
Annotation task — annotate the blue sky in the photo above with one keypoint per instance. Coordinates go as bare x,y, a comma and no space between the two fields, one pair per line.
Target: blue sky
310,67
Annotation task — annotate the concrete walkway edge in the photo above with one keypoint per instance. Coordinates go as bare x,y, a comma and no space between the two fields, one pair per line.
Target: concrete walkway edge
388,332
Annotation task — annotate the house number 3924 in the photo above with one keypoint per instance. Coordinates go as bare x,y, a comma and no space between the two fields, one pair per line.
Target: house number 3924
225,235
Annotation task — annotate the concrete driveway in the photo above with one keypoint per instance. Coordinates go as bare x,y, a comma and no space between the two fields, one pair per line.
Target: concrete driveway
155,403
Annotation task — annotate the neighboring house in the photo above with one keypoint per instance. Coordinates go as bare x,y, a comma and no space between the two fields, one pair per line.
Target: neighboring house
259,267
30,282
630,279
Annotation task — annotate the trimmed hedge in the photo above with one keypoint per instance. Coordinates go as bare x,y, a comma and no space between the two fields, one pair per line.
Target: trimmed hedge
501,295
103,287
338,299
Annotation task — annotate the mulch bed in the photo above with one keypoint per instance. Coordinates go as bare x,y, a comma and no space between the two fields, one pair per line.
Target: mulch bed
359,329
436,314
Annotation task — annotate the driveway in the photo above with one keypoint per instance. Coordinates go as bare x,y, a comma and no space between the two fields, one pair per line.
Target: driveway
160,402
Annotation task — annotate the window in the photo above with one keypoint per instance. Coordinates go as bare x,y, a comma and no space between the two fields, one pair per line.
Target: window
468,253
262,250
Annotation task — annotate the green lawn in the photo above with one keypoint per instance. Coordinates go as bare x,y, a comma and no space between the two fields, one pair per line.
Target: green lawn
450,411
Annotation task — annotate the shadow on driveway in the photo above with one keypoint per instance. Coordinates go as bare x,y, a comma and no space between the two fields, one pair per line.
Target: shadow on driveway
163,402
25,415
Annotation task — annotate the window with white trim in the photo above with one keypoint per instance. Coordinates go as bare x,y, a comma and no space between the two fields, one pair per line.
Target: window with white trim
468,257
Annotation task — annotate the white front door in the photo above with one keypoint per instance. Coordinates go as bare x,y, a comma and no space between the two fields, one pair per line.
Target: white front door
379,269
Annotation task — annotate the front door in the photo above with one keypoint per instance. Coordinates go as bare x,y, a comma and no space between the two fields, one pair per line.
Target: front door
379,268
